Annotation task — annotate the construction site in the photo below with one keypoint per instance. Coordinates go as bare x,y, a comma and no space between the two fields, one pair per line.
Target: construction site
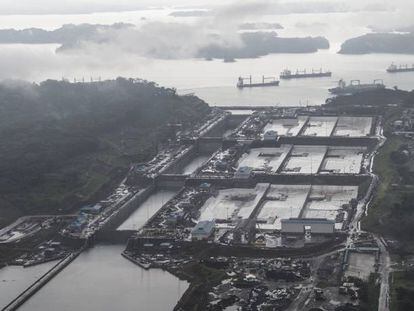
277,182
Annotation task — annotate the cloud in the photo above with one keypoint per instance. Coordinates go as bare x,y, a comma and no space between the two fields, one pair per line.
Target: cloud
31,7
173,40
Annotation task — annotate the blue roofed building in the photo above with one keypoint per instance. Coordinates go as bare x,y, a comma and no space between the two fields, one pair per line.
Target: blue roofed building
203,230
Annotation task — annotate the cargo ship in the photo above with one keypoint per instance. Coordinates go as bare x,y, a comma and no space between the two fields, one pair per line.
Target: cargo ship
266,81
288,74
401,68
355,86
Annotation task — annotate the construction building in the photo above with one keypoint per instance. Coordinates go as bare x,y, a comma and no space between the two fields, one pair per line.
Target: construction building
311,225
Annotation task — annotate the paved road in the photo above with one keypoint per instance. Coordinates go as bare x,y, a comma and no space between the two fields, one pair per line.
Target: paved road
302,299
384,270
384,260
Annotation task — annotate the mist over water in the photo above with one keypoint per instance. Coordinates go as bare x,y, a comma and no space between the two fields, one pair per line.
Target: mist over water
214,80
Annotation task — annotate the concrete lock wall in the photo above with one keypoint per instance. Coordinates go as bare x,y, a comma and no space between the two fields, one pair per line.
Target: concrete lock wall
128,208
176,166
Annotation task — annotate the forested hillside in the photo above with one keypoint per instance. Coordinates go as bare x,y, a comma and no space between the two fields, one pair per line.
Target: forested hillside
62,142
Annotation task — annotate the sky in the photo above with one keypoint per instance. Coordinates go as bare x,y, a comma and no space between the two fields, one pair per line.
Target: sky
27,7
88,6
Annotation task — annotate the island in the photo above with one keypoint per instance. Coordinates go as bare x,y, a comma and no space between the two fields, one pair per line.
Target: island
253,44
256,44
255,26
397,43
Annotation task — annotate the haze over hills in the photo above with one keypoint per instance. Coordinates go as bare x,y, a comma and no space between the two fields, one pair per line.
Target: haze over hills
263,43
187,43
63,142
252,26
379,43
67,34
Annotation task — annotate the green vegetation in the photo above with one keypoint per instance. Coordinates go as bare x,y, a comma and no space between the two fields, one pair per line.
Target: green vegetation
203,278
402,291
368,293
385,197
391,212
65,144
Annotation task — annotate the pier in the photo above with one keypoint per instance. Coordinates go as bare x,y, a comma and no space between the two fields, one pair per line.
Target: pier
42,281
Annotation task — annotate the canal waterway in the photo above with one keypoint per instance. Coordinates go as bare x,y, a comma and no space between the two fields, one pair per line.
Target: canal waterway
195,163
15,279
101,279
147,209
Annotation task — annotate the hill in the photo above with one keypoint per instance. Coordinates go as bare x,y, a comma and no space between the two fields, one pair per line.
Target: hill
195,44
63,143
379,43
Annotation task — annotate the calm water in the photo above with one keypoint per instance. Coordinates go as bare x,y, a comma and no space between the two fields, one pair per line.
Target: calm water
213,81
101,279
194,164
299,91
15,279
147,209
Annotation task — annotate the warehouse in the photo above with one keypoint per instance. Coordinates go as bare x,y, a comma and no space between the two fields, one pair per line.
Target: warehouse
312,225
202,231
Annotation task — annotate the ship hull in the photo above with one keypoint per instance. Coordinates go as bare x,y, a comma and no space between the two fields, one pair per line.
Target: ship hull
400,70
354,90
275,83
306,75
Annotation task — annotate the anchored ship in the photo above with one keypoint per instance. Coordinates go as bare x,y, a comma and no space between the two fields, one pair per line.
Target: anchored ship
266,81
401,68
355,86
288,74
